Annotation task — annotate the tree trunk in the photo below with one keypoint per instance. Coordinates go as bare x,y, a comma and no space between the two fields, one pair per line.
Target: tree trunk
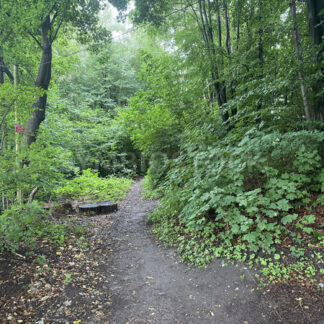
315,19
315,10
4,70
219,25
260,41
261,59
228,33
301,76
17,146
238,31
206,28
222,91
42,81
208,36
3,124
1,69
229,50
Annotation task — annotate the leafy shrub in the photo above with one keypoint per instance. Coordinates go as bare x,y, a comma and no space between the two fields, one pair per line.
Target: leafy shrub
246,195
151,124
23,225
89,185
44,169
149,191
93,140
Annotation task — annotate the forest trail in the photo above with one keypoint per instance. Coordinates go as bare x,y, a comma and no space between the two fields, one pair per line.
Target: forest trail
147,283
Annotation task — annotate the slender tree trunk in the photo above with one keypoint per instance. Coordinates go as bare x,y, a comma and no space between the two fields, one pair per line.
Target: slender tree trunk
1,69
261,59
206,27
219,25
301,76
42,81
208,36
260,41
229,50
315,19
228,32
222,93
17,146
315,9
238,31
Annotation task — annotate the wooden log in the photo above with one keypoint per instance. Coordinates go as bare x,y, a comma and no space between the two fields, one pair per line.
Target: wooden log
89,208
103,207
107,207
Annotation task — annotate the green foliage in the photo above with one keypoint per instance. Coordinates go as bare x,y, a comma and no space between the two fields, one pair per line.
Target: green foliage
80,17
92,140
78,133
86,100
105,80
22,225
151,125
228,196
41,260
68,278
148,190
45,168
220,118
90,186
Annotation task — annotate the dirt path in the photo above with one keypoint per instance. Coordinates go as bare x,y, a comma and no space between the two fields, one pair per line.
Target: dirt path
117,273
148,283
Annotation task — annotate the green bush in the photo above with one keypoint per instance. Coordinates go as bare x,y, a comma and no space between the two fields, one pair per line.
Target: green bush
246,195
149,191
43,168
89,185
22,225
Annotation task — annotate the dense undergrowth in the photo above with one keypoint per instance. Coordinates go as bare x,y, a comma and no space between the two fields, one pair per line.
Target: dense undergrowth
26,226
91,187
253,201
22,226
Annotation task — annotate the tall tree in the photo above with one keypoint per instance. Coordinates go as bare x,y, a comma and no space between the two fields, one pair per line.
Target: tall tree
44,21
297,43
316,29
315,19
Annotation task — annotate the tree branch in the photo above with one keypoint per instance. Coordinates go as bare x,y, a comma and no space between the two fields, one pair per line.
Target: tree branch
7,71
32,195
36,40
54,17
57,30
197,19
6,113
203,23
2,139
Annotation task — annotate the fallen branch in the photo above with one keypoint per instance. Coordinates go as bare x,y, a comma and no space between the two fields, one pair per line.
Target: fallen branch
19,255
32,195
